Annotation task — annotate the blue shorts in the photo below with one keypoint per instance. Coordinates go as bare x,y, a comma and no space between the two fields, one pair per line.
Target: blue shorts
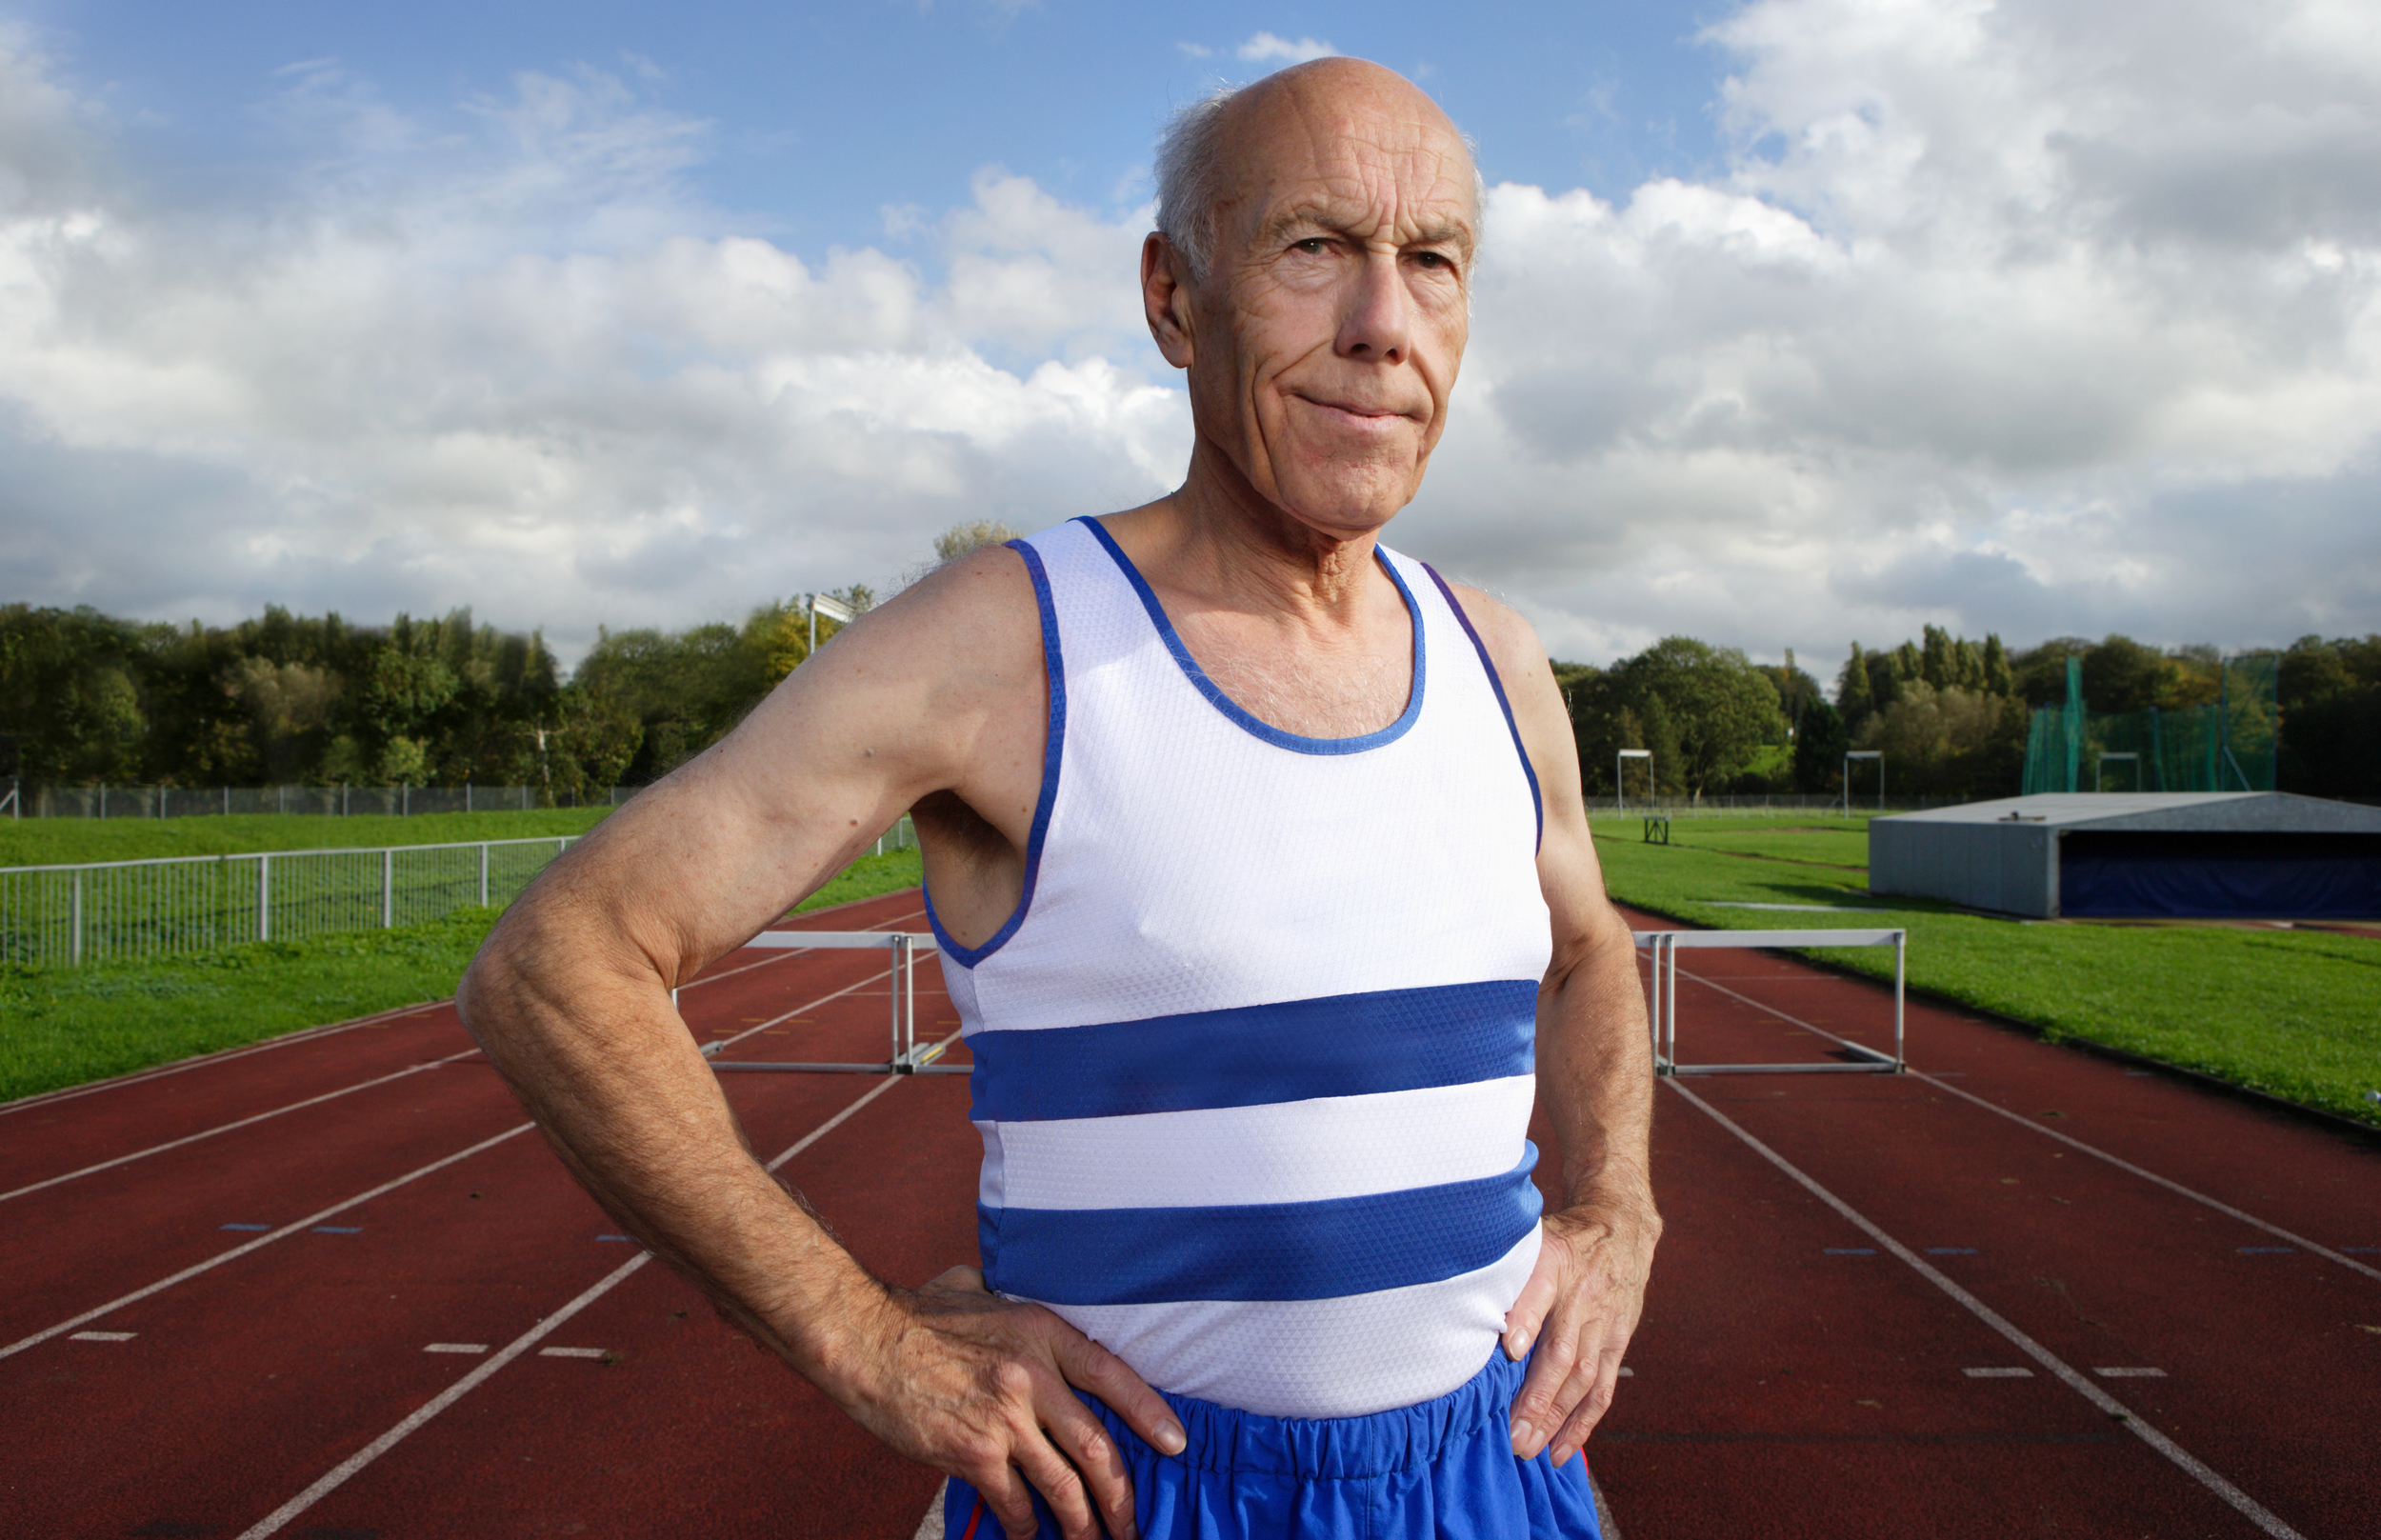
1443,1470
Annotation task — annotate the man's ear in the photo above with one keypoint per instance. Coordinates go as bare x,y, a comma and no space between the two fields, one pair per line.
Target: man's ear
1166,298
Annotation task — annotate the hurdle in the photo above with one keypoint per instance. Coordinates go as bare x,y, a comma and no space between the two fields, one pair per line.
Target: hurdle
905,1057
1664,947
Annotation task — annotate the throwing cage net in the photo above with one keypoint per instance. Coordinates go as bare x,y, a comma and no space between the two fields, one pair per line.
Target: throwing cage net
2227,746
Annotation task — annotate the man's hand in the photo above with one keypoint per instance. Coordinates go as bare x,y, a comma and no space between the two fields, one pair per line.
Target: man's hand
983,1388
1580,1307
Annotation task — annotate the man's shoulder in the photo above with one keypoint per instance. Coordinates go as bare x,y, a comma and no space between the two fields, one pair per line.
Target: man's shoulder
1511,641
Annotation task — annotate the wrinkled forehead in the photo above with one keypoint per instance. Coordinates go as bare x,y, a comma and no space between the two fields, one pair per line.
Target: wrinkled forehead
1377,164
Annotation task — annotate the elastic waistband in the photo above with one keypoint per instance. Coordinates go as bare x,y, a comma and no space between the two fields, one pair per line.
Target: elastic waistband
1334,1448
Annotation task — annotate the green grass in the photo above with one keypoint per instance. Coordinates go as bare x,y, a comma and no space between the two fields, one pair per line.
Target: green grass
2292,1012
43,842
65,1026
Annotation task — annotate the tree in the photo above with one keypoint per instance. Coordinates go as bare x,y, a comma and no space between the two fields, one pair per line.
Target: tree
1820,740
960,539
1853,701
1721,710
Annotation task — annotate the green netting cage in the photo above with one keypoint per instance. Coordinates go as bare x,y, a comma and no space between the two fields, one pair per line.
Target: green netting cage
2228,745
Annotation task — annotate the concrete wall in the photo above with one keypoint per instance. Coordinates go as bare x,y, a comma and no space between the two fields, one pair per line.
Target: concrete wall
2011,868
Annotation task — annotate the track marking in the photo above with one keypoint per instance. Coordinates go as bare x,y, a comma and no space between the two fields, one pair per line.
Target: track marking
338,1475
1998,1373
2248,1506
1951,1250
240,1123
338,1229
307,1034
264,1240
103,1336
243,1227
571,1352
432,1064
2025,1121
271,1237
199,1061
2131,1374
456,1346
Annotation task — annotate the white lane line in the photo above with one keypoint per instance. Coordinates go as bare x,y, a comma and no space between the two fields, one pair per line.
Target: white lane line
241,1123
338,1475
1998,1373
2069,1140
2131,1374
367,1085
571,1352
266,1239
200,1061
103,1336
2248,1506
456,1346
310,1220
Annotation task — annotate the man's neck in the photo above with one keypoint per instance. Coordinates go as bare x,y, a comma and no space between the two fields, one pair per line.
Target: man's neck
1216,540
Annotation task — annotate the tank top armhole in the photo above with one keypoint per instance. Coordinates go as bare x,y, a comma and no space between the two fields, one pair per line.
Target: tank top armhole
1053,745
1537,802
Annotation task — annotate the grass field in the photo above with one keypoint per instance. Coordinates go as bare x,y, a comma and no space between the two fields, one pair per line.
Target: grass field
2293,1012
43,842
61,1026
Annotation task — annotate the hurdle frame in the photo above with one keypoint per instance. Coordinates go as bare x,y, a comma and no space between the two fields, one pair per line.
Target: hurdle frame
1664,945
905,1057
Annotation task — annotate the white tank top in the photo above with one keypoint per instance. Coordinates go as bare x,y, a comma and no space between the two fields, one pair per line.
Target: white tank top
1253,1056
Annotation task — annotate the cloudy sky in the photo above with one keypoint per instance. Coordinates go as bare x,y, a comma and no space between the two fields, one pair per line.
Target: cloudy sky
1802,321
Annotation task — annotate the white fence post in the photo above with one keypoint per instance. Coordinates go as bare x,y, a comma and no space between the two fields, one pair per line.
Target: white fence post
77,947
264,897
483,874
388,888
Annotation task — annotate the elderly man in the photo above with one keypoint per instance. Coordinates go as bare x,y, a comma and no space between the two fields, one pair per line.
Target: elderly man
1265,894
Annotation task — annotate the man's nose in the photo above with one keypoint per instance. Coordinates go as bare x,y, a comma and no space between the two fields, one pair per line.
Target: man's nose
1378,322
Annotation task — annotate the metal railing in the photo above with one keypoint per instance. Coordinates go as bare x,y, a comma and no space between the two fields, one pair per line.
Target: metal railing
116,911
105,801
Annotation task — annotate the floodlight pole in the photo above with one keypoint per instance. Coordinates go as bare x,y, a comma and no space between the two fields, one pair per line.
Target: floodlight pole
1620,788
1877,754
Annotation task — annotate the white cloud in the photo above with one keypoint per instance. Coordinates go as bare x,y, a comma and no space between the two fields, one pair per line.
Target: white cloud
2020,316
1267,49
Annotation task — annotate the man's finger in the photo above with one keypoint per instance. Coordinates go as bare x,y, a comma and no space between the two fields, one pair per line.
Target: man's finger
1061,1485
1535,1419
1095,1369
1589,1409
1537,1297
1098,1462
1006,1494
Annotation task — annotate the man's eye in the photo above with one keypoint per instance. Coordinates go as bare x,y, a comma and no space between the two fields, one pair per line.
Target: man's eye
1430,259
1312,245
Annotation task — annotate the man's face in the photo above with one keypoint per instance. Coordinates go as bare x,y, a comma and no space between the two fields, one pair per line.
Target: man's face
1333,318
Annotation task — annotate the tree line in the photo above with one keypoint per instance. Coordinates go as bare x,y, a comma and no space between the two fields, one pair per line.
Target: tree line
1949,713
287,699
293,699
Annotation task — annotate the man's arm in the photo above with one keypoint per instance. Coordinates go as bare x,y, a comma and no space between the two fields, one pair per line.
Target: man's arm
1595,1083
941,689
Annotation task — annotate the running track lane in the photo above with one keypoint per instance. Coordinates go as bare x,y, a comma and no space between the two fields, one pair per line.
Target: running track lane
126,1227
245,1378
2267,1376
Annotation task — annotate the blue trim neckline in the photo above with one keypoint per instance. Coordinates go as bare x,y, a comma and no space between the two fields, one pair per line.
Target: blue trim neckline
1054,741
1256,726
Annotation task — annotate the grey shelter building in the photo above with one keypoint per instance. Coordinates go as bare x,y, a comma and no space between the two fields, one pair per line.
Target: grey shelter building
2185,854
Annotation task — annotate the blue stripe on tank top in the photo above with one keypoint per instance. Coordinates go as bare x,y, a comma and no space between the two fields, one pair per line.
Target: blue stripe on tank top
1260,1250
1339,1044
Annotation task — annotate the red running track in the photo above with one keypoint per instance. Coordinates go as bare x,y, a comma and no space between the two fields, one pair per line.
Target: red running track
1795,1376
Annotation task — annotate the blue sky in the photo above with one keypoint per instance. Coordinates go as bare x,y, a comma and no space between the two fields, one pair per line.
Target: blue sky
1802,321
816,116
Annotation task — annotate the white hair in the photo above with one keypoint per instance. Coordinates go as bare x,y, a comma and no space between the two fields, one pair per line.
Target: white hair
1190,179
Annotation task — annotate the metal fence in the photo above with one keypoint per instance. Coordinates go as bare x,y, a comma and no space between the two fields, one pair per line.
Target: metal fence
1778,803
116,910
199,801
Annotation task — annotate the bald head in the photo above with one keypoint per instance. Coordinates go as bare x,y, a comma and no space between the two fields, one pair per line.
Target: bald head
1220,159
